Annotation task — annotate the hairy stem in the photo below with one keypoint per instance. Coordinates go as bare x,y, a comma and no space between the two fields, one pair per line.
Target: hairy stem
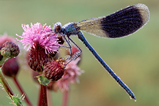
5,85
22,91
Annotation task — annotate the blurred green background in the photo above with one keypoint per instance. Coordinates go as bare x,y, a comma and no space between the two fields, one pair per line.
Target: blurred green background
135,59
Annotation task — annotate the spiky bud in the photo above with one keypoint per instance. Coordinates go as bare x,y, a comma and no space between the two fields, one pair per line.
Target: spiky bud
9,49
54,70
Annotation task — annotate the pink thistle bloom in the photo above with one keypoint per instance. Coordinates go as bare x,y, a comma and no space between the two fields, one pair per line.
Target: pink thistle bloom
42,43
71,73
41,35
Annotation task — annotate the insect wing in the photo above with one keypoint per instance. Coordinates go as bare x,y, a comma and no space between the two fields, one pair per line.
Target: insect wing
118,24
92,26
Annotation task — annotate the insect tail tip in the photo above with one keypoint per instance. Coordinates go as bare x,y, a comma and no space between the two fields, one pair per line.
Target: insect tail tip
144,12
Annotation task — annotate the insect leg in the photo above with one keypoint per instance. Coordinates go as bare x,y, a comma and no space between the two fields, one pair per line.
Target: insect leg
74,56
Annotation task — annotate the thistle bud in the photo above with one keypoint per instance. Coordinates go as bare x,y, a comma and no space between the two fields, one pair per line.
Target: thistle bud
9,49
54,70
11,67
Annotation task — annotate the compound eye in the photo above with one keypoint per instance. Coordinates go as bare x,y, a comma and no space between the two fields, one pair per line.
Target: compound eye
57,27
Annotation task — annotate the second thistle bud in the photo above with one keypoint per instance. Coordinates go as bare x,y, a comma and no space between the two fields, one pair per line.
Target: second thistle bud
11,67
54,70
9,49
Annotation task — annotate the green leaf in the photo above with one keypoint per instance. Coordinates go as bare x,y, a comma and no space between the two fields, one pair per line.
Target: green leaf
17,101
43,80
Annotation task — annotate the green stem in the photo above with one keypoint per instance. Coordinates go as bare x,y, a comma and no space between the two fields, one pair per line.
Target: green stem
16,100
5,85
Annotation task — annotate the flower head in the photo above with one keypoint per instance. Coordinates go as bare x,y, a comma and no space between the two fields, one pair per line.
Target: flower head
42,35
42,43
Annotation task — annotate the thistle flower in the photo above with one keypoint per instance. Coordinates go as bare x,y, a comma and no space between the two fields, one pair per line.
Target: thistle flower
40,35
42,44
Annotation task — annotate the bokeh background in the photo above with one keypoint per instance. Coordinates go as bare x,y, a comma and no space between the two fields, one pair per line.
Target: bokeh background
134,58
